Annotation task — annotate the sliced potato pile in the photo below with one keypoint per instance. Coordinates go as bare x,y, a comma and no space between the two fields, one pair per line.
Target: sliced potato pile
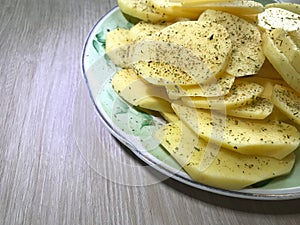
228,169
251,137
169,11
227,86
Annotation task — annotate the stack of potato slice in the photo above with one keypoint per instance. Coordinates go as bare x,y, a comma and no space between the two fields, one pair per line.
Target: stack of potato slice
167,10
232,114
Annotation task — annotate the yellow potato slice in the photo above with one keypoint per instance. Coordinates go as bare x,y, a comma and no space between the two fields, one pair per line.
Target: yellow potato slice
250,137
247,55
258,109
286,45
207,40
293,7
220,87
273,18
117,40
162,74
143,29
137,92
241,93
280,62
223,168
288,101
173,9
240,8
143,10
267,83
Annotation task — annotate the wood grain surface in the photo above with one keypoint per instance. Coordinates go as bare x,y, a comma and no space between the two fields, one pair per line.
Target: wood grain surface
58,162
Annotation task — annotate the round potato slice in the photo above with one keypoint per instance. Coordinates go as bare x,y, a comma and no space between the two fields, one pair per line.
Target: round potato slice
288,101
247,55
273,18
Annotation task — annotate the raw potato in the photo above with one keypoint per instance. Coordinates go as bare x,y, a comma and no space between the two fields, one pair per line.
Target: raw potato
240,8
220,87
117,43
209,41
120,40
162,74
288,101
258,109
199,49
286,45
226,169
247,55
267,83
250,137
240,94
273,18
293,7
144,29
280,62
174,9
143,10
139,93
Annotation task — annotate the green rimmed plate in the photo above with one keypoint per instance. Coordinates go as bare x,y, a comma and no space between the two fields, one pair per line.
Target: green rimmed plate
135,128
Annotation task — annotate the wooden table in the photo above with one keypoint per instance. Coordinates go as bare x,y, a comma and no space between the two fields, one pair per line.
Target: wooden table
50,135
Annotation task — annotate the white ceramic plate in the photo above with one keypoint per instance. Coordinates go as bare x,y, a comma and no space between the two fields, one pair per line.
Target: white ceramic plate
135,129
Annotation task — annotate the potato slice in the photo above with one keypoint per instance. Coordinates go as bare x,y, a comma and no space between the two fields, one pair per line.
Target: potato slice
273,18
117,40
286,45
143,10
250,137
288,101
293,7
198,49
258,109
267,83
139,93
209,41
240,8
174,9
220,87
280,62
223,168
162,74
247,55
241,93
144,29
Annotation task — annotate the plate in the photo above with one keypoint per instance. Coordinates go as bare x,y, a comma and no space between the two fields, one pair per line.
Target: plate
135,128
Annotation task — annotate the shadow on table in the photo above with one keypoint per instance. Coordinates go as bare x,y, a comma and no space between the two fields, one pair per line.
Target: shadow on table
246,205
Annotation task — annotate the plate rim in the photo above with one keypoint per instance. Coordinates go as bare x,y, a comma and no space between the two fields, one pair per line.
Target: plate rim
165,169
